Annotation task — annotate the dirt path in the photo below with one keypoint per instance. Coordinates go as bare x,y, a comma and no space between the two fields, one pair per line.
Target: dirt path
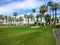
57,36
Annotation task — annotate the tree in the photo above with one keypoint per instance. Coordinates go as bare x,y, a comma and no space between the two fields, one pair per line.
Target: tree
10,20
13,21
1,19
17,20
52,8
28,16
37,17
54,20
55,7
43,9
25,16
15,14
6,19
34,14
31,16
47,18
50,3
21,20
41,15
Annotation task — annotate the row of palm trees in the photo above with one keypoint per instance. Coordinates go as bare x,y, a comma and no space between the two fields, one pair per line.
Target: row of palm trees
10,20
52,7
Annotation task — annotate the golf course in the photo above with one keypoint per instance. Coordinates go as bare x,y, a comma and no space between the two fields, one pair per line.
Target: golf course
25,35
29,22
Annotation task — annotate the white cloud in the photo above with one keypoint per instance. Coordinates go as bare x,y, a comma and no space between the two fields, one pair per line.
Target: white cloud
56,0
15,6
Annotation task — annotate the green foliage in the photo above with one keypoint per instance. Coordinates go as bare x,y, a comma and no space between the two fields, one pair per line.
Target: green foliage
21,19
34,10
43,9
50,3
15,13
47,18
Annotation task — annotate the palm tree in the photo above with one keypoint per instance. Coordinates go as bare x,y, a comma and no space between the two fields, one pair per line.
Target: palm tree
10,21
25,15
1,19
47,18
13,21
52,8
28,16
17,20
37,17
55,6
50,3
43,9
15,14
34,14
6,19
21,20
41,15
31,16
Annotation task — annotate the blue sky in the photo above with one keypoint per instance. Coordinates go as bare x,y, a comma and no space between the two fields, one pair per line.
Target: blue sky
7,7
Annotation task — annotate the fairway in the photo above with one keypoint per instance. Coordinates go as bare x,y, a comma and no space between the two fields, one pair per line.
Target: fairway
25,35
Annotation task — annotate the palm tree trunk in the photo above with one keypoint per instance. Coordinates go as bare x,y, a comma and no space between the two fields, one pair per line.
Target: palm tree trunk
6,22
3,21
41,20
44,19
37,22
50,12
55,13
34,17
28,21
15,20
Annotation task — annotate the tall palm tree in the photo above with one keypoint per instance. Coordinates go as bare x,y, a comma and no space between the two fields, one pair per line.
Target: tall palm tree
13,21
37,17
47,18
50,3
43,9
52,8
31,16
21,20
17,20
55,6
1,19
25,15
10,20
41,15
28,16
6,19
15,14
34,10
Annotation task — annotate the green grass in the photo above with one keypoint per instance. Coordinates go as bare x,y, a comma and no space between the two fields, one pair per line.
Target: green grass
27,36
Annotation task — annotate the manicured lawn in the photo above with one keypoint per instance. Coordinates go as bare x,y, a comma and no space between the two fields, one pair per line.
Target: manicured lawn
27,36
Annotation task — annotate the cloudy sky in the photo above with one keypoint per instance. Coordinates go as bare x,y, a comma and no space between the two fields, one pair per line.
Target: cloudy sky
7,7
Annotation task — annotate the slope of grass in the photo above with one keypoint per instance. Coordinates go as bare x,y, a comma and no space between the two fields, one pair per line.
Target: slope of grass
27,36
